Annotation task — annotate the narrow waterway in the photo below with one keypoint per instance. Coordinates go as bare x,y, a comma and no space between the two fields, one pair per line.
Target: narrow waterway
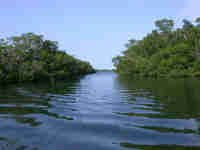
101,112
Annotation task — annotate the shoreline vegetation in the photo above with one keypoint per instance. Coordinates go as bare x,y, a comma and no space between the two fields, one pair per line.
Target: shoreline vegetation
104,70
166,52
29,57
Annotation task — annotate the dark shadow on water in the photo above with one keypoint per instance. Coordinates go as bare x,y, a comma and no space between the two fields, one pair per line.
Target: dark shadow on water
158,147
30,99
163,104
180,96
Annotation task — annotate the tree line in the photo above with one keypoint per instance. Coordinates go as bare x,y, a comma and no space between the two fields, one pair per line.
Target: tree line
29,57
165,52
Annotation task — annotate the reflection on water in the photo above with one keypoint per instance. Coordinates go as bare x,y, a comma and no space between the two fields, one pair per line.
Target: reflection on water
101,111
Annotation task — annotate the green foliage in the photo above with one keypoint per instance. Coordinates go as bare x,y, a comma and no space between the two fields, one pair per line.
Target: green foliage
163,53
29,57
165,25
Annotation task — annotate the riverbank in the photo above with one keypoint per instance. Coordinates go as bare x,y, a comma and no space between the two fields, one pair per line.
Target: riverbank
164,53
29,57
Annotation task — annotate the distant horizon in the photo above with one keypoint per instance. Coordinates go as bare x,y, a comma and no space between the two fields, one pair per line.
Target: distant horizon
91,31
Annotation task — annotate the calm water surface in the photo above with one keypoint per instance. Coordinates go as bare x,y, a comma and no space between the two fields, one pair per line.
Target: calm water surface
101,112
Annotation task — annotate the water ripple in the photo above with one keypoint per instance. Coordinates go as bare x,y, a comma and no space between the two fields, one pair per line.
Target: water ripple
101,111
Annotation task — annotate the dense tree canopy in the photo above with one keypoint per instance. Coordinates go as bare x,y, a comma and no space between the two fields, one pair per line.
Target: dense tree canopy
30,57
166,52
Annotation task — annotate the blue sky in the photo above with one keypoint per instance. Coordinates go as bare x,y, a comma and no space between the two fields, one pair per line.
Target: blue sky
94,31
